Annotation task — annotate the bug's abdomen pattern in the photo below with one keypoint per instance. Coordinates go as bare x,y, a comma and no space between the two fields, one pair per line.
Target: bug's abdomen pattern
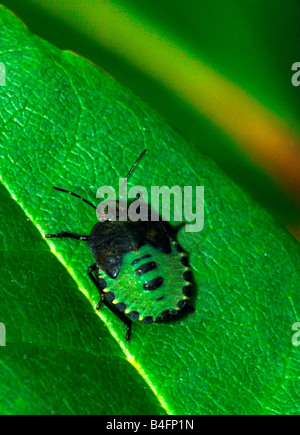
154,285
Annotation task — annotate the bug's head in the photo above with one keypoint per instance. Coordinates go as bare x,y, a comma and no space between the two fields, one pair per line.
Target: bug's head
108,210
132,210
111,210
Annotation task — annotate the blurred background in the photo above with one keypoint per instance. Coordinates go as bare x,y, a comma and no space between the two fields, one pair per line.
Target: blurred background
219,71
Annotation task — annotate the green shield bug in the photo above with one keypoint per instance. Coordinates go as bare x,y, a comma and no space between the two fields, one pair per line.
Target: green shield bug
140,270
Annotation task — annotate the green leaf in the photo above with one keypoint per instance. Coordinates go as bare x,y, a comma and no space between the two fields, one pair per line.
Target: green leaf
64,122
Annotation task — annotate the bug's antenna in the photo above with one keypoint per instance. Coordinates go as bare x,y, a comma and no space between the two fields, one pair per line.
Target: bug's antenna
130,172
74,194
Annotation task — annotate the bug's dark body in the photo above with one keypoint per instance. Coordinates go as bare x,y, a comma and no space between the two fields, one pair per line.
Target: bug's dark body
110,241
140,269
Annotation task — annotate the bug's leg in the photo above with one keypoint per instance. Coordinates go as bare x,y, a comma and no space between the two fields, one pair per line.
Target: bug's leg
121,316
64,234
92,269
111,307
